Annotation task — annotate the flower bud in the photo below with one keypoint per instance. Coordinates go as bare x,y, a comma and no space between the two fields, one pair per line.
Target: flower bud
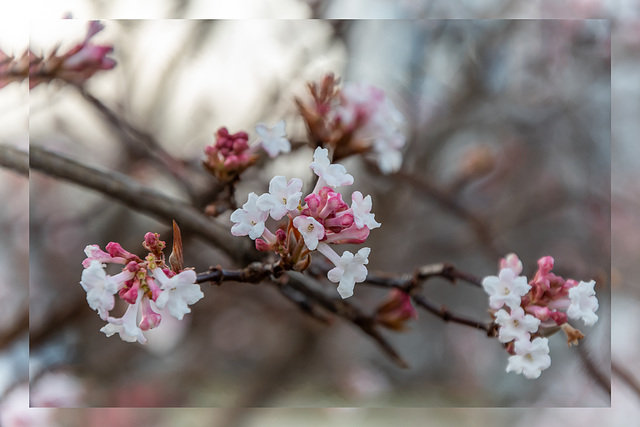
396,310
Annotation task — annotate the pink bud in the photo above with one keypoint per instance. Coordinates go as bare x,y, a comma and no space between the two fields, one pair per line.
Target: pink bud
541,313
150,319
154,288
281,235
349,235
342,220
263,246
115,250
396,310
559,317
132,267
129,292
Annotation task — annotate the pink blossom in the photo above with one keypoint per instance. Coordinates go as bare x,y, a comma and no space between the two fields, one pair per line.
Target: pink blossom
94,253
150,319
85,59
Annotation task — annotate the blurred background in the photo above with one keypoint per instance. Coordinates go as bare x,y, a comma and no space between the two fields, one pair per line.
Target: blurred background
508,150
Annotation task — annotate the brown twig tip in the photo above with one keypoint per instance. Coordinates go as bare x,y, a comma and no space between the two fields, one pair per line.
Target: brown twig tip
176,259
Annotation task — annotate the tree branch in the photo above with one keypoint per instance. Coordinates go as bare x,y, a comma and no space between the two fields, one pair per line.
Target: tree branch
134,195
14,159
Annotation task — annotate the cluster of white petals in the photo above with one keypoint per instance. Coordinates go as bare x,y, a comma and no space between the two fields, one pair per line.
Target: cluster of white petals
524,311
324,219
507,288
179,292
531,358
583,303
282,197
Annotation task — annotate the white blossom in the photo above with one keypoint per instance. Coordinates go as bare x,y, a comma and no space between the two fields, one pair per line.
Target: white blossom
334,175
583,303
282,197
250,219
127,325
349,270
178,292
312,231
516,325
507,288
361,208
274,139
531,358
101,287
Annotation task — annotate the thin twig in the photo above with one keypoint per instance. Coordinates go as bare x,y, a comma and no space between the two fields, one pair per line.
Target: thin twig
349,312
480,227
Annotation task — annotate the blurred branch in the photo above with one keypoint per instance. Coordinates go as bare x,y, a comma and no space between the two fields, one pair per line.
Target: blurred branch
344,309
410,284
140,198
141,143
599,377
426,272
14,159
626,376
17,329
480,227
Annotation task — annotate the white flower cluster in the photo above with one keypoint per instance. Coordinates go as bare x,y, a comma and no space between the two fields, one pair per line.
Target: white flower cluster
323,219
144,285
522,309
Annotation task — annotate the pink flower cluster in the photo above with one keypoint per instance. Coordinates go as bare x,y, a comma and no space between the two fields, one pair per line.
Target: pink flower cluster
231,154
147,286
535,310
355,119
365,113
75,66
324,219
